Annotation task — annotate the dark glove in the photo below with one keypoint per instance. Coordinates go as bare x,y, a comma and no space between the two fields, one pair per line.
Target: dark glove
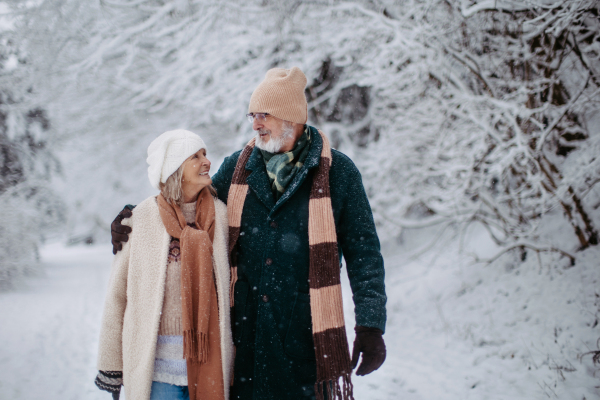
110,381
369,342
119,232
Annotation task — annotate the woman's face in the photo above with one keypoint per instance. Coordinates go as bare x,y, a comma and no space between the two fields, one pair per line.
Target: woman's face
195,174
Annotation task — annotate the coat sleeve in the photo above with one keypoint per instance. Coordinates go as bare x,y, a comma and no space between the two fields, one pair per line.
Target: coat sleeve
222,179
110,352
359,242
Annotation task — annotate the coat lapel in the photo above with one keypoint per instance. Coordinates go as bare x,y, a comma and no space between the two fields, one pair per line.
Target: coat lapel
258,180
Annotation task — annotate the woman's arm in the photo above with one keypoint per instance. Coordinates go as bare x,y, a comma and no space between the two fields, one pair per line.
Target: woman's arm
110,352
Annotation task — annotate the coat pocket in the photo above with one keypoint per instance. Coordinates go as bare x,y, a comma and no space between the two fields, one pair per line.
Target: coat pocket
299,339
240,319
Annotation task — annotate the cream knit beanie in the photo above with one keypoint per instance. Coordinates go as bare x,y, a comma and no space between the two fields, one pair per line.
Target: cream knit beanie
281,94
167,152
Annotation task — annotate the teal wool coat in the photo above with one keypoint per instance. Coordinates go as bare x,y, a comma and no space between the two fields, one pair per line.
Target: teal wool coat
271,323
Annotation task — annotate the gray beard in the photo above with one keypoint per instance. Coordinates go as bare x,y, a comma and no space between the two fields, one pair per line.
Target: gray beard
274,145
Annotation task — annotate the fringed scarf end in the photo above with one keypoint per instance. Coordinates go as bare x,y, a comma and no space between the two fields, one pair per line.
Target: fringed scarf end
336,390
195,346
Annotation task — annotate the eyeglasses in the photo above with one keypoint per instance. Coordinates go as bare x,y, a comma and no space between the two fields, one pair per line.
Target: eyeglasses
261,117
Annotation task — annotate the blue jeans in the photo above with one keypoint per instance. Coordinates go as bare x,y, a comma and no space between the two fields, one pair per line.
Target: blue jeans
165,391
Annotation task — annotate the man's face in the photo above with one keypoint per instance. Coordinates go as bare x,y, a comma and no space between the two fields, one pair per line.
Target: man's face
273,134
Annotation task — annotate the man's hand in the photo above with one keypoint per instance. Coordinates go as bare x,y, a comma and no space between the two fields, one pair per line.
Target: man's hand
118,231
369,342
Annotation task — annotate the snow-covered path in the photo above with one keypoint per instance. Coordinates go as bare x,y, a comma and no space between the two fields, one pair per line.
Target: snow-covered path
50,326
455,331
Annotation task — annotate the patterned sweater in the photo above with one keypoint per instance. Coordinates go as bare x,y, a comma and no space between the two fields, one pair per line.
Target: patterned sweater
169,364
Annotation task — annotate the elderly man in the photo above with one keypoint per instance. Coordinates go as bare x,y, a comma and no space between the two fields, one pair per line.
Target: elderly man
295,207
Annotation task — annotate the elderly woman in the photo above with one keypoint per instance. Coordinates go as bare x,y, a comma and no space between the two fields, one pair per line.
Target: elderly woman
166,330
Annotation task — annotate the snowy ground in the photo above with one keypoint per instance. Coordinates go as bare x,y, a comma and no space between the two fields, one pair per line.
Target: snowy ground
50,326
459,330
456,330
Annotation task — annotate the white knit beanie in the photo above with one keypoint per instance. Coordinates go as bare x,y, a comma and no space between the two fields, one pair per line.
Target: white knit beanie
281,94
167,152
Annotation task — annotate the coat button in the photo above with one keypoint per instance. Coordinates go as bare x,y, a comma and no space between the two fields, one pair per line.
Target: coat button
265,298
268,261
273,224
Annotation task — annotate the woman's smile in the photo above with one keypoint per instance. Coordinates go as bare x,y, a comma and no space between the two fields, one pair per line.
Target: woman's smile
195,175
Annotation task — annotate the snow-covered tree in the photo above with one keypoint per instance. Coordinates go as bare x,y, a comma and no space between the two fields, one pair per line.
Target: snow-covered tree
479,112
457,112
29,208
529,85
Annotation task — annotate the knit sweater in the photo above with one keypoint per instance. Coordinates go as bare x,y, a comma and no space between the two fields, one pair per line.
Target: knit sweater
169,364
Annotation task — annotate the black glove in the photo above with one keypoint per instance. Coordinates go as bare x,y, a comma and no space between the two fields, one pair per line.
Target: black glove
369,342
110,381
119,232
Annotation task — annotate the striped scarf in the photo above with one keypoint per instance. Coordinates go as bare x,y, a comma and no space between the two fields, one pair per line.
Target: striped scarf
329,331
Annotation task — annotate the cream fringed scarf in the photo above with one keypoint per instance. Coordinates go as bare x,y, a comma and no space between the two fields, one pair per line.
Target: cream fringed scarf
329,331
200,312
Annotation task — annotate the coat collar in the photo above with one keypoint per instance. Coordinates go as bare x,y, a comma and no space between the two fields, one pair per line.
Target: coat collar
316,146
259,181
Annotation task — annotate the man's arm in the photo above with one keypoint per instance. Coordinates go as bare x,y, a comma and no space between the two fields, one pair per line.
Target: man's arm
360,246
358,239
222,178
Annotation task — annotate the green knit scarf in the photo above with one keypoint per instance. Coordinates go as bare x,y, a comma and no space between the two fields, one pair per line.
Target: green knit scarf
283,167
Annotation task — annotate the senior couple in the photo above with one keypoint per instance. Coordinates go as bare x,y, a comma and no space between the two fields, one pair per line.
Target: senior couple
229,288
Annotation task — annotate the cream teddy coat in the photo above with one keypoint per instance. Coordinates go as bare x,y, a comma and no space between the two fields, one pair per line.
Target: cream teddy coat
135,297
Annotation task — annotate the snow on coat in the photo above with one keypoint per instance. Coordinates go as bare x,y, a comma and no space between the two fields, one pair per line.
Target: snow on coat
275,352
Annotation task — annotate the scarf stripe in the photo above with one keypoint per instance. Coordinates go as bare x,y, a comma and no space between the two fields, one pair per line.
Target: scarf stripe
329,329
235,205
327,312
327,302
